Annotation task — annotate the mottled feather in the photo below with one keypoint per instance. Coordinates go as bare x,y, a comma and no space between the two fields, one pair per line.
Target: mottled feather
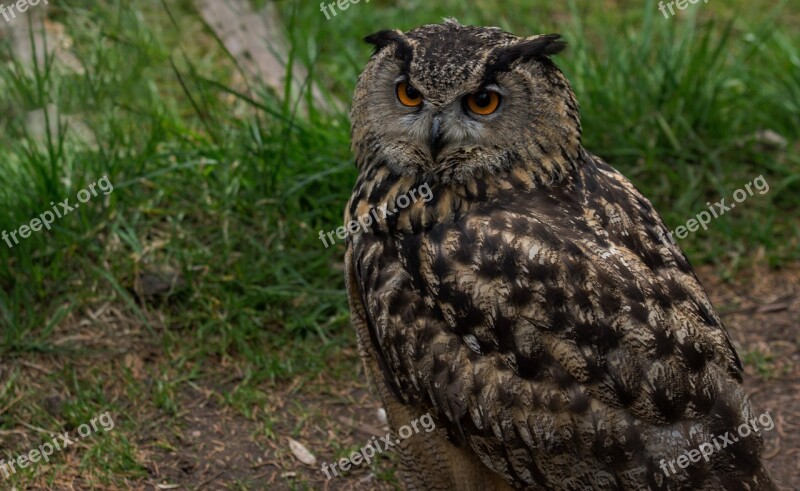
535,305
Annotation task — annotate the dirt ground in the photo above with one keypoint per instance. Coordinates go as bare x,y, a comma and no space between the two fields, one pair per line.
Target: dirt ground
761,310
207,445
762,313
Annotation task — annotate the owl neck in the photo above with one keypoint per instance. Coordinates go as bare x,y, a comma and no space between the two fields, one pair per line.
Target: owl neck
540,162
401,203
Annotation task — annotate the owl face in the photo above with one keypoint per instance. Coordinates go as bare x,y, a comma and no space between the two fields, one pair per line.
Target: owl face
454,101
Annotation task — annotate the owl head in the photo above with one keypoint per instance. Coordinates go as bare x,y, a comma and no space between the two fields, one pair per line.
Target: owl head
454,102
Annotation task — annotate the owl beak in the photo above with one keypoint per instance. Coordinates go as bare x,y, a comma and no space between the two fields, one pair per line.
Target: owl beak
436,140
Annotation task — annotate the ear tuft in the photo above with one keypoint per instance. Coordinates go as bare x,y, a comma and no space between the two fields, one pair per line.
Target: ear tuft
384,38
536,47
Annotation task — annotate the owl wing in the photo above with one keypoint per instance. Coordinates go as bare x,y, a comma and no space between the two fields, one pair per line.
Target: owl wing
561,335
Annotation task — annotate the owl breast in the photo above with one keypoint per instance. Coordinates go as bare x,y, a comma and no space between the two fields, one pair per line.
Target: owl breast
552,326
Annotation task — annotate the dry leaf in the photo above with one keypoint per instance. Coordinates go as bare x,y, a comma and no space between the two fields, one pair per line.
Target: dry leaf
302,453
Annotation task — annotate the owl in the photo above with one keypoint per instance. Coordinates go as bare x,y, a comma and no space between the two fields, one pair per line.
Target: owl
535,305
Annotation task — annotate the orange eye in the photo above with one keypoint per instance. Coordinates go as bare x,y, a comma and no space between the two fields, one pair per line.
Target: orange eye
408,95
483,102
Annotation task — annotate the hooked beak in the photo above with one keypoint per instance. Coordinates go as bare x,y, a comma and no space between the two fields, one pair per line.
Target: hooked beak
436,139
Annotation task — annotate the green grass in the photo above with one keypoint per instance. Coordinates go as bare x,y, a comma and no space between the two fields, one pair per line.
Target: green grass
673,104
229,187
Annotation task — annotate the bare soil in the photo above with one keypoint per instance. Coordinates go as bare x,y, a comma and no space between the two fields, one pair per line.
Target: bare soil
204,443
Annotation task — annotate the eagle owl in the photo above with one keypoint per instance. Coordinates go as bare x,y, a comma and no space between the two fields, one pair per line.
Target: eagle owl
535,305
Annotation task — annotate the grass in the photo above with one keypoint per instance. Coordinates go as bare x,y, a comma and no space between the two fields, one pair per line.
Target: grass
221,189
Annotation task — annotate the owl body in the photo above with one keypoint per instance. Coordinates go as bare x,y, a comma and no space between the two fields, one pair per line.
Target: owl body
535,306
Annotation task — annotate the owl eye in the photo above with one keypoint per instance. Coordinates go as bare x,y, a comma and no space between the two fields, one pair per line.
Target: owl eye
408,95
484,102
